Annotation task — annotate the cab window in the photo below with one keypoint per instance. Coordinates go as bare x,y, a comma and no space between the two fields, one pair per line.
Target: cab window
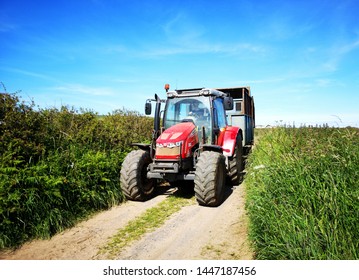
220,114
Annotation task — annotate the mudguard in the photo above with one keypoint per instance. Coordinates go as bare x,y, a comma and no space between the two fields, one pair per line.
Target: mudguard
228,137
141,146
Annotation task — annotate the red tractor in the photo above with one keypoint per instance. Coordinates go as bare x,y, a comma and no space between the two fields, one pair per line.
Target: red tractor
195,147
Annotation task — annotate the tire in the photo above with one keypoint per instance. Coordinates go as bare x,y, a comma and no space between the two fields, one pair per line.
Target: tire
133,176
236,164
209,181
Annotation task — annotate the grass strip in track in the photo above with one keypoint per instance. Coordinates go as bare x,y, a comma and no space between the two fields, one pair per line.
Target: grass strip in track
150,220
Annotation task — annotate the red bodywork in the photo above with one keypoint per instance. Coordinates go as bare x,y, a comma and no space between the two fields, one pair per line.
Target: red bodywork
177,141
227,139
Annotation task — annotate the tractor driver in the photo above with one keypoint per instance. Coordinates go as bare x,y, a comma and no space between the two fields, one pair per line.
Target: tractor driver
198,112
195,110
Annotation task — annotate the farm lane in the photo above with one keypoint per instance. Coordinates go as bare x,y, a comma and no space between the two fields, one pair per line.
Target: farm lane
198,233
82,241
194,232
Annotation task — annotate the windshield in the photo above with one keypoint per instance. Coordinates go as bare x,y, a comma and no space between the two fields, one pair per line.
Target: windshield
196,109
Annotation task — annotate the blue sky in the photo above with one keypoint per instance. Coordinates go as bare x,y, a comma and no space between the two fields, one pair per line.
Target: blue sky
300,58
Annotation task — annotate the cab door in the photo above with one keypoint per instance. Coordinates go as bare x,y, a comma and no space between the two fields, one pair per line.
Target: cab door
220,120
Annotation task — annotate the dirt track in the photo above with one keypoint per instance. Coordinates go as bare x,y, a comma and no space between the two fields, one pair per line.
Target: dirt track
194,232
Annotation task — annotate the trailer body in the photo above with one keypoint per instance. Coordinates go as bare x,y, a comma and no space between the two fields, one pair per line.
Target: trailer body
243,112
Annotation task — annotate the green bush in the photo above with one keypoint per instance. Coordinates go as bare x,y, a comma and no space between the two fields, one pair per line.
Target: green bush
58,166
303,194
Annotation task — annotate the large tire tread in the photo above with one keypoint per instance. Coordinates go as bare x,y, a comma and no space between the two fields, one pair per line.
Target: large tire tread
134,184
236,164
209,182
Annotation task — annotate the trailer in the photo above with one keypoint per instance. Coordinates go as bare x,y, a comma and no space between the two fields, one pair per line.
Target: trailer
243,112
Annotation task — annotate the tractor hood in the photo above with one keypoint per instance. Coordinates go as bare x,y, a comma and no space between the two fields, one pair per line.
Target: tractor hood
178,132
176,140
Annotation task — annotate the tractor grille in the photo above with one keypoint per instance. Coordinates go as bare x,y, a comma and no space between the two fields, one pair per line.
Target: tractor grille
166,151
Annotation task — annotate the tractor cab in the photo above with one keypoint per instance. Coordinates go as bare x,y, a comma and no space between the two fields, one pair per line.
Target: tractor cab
196,109
205,108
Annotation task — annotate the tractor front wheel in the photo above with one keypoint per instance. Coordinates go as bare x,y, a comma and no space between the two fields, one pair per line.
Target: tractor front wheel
134,182
209,181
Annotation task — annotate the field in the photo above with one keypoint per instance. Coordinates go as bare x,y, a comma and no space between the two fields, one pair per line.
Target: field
303,193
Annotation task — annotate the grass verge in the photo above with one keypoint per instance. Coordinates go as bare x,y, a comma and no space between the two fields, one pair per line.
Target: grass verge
303,194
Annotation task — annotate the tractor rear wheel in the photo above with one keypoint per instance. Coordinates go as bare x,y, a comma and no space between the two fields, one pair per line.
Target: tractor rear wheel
134,182
209,181
236,164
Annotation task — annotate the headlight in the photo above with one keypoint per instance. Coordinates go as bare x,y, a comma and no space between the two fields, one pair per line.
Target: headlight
172,145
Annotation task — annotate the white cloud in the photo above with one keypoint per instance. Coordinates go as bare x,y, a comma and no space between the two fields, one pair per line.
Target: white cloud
28,73
323,82
337,53
235,49
7,27
347,48
83,90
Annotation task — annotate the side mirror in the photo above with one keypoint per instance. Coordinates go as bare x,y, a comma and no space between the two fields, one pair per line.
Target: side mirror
148,108
228,103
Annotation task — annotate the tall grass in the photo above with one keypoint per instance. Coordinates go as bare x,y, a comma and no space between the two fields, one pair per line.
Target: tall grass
303,194
57,166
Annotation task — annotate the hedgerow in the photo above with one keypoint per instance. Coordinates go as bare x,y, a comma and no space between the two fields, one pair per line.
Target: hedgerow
59,165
